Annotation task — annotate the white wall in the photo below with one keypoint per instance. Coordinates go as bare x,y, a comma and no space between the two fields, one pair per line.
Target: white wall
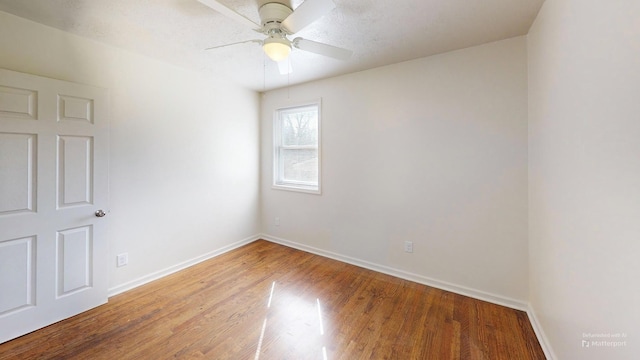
184,149
433,151
584,175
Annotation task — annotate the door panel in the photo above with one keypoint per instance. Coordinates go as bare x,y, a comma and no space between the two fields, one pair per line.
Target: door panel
18,103
17,170
53,178
75,263
75,109
75,161
17,256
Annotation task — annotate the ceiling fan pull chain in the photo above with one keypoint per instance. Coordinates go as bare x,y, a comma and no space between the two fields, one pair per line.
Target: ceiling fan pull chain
289,80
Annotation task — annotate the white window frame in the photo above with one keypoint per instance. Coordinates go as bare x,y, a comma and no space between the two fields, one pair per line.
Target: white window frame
278,169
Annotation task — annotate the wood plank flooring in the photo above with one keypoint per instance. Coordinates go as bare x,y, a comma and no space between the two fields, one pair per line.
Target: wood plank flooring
266,301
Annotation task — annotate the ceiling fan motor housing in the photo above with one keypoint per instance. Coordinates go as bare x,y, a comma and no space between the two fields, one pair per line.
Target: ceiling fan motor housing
272,15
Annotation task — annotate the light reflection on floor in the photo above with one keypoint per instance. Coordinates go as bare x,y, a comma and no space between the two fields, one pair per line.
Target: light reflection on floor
293,320
264,327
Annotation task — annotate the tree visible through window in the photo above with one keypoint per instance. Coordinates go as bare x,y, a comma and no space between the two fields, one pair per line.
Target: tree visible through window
296,150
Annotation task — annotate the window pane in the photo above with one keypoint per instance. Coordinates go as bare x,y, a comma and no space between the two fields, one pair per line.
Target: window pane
300,127
296,141
300,165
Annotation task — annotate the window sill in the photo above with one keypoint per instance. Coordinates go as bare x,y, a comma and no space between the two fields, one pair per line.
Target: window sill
297,188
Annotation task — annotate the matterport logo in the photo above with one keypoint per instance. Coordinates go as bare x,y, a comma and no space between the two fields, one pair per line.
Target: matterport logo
604,340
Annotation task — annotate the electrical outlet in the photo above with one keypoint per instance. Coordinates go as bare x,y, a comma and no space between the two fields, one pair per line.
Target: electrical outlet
408,246
277,221
122,259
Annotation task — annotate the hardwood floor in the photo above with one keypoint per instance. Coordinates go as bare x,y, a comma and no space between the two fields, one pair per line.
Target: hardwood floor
266,301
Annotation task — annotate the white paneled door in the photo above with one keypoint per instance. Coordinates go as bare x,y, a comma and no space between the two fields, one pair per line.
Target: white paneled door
53,198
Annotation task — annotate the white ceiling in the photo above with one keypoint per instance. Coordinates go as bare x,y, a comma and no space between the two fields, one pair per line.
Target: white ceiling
379,32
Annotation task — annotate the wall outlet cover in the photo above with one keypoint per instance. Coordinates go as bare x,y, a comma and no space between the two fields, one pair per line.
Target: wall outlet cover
122,259
408,246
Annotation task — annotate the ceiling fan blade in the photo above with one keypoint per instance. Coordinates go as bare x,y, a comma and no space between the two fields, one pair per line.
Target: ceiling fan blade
308,12
224,10
322,49
235,43
285,67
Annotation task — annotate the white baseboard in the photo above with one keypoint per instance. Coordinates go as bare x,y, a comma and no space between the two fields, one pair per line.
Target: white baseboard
443,285
175,268
542,338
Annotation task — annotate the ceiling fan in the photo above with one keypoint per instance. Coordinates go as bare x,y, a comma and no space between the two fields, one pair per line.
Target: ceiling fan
278,21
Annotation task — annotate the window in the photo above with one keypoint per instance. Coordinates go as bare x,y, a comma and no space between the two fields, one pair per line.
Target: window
296,151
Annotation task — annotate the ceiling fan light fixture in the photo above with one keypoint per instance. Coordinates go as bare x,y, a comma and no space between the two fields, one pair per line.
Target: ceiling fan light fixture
277,49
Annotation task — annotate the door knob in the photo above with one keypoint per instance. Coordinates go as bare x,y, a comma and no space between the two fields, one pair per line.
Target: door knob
100,213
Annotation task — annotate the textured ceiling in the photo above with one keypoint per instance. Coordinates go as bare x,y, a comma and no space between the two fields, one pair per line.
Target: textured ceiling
379,32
